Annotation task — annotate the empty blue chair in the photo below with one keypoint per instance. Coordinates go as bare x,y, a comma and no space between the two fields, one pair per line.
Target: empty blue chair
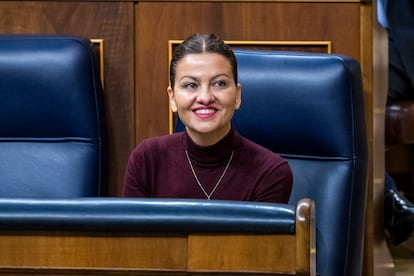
51,129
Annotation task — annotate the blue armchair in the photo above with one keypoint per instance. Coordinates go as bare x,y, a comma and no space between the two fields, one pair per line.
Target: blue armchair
310,109
51,132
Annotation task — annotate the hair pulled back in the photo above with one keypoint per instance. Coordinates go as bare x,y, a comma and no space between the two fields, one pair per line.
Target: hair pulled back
198,44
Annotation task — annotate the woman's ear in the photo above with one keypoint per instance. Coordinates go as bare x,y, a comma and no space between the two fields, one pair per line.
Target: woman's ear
173,105
238,96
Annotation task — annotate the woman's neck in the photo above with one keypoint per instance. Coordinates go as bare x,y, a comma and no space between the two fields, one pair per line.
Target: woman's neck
211,155
207,139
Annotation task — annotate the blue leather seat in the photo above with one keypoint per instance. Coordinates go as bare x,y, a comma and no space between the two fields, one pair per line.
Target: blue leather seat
50,117
310,109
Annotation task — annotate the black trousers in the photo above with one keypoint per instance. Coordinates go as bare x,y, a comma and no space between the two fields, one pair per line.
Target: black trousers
400,15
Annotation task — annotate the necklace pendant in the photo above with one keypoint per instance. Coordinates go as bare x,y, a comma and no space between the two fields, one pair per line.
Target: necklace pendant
208,195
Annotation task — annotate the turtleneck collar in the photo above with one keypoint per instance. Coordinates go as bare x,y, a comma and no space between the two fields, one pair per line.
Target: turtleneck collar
213,155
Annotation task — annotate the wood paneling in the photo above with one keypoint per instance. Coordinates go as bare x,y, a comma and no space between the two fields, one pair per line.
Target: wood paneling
111,21
92,250
79,253
68,253
223,253
374,62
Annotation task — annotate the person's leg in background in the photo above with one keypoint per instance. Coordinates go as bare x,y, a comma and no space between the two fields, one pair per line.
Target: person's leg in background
398,213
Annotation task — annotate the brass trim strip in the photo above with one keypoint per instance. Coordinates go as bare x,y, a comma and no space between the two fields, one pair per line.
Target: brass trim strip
262,1
99,43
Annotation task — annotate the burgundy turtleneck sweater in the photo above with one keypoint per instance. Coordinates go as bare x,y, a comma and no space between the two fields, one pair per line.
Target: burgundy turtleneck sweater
159,168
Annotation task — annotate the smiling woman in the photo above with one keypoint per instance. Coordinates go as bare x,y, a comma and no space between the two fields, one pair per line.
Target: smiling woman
210,159
205,96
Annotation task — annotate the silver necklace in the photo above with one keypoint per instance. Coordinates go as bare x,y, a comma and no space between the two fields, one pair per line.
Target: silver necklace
218,182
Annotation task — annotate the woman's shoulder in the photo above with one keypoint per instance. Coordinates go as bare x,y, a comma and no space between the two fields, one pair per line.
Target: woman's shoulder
161,143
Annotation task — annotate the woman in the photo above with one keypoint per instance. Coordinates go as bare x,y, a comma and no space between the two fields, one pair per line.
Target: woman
210,160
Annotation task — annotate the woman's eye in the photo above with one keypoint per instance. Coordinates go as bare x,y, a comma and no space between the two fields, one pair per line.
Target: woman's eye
189,85
219,84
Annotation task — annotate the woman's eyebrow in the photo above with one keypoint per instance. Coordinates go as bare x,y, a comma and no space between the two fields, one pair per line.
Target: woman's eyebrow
220,75
189,77
212,78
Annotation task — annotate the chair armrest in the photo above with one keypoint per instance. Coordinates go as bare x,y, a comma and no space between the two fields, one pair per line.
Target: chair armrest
306,237
146,215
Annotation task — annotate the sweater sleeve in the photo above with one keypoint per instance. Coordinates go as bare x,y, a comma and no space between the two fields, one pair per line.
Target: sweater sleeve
276,186
134,179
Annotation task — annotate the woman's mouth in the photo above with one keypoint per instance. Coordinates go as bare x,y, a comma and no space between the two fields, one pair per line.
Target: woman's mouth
205,112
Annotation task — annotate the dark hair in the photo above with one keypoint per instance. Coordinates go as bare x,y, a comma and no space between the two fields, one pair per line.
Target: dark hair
202,43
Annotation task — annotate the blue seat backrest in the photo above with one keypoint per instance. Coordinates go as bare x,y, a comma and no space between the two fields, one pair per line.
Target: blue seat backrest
50,117
310,109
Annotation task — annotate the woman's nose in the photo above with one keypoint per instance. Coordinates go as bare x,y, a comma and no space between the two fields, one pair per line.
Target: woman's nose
205,95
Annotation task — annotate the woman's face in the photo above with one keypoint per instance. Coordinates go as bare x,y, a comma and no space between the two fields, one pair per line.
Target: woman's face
205,96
